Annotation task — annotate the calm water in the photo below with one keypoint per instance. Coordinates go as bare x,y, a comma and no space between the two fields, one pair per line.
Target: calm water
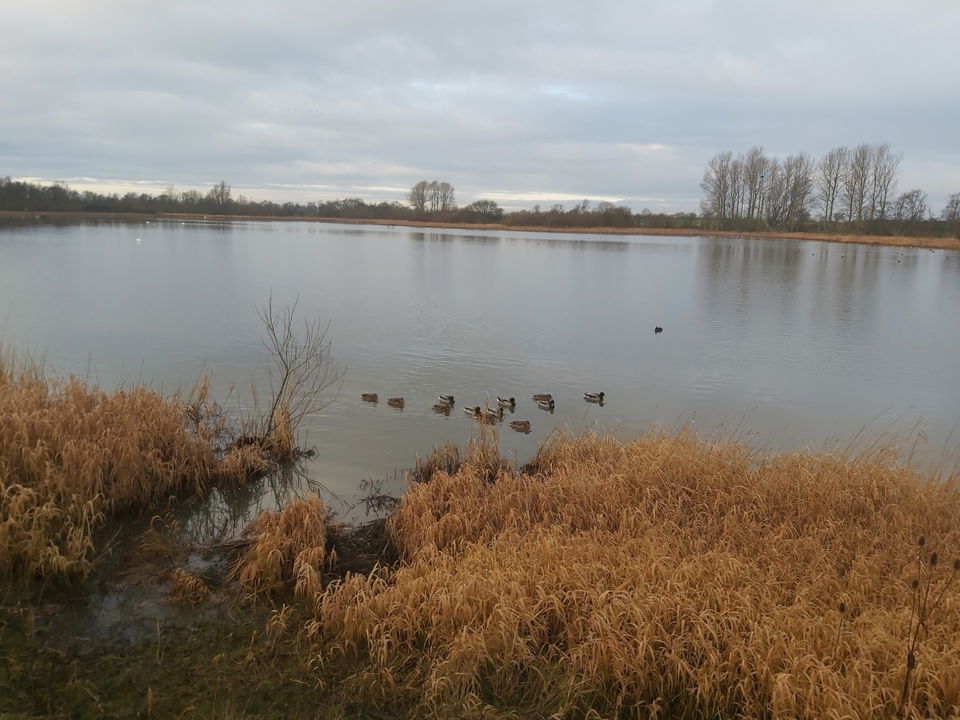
786,344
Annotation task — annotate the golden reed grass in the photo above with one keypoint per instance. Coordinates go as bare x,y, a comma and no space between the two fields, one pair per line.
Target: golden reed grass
71,455
664,577
186,588
287,550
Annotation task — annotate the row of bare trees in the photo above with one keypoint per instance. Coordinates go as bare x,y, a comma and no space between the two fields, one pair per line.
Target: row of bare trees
855,187
432,197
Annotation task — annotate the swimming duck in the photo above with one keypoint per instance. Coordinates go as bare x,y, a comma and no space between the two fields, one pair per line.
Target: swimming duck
493,415
445,399
520,425
369,397
657,330
593,397
542,396
395,402
442,408
506,402
473,412
546,404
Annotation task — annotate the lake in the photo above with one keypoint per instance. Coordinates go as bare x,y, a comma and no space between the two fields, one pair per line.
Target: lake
785,344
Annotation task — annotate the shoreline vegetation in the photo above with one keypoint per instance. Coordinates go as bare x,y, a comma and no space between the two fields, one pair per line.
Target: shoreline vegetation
668,575
924,242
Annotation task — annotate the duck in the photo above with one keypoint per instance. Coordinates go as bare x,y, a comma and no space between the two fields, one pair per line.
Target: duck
542,396
442,408
506,402
493,415
520,425
395,402
657,330
593,397
445,399
473,412
369,397
546,404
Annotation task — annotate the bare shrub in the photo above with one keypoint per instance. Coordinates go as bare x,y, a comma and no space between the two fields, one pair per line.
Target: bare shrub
301,370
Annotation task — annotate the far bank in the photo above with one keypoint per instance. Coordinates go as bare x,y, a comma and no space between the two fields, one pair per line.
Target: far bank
932,243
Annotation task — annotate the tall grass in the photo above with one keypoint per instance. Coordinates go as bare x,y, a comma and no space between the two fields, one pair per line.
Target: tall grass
664,577
72,454
287,550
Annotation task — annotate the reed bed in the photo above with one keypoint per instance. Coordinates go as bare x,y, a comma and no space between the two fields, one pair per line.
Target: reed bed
663,577
71,455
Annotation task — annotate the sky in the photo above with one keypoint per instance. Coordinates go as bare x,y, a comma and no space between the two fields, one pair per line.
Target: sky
518,102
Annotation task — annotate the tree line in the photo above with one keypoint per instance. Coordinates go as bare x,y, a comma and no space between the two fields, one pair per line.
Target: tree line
850,190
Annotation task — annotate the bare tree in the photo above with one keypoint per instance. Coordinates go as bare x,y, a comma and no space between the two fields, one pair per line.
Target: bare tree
716,184
829,179
951,211
755,166
302,368
219,195
911,208
883,175
855,181
485,211
776,197
798,179
418,196
440,197
737,187
951,214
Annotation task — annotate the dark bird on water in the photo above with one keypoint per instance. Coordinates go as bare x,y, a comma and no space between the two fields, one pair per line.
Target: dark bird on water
657,330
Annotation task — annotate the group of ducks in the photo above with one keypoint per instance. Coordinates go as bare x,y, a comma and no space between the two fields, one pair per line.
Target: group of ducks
488,415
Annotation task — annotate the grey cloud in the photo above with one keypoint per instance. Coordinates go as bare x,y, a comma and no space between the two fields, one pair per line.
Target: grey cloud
518,99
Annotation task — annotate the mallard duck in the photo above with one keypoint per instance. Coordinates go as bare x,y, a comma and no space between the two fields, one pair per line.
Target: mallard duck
488,417
493,415
542,396
546,404
593,397
472,412
445,399
369,397
395,402
442,408
520,425
506,402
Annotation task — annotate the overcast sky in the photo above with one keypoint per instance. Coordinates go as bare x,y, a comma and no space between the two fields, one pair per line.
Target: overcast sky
520,102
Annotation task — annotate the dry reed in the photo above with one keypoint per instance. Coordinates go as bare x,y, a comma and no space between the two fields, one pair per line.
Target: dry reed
72,454
287,550
664,577
186,588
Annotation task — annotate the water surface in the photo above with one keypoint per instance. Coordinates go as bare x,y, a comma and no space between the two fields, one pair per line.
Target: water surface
785,343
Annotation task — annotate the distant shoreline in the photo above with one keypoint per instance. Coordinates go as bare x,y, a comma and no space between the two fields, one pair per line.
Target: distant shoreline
932,243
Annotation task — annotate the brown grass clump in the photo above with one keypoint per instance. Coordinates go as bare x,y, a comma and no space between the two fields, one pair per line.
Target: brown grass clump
666,577
482,454
287,550
187,589
72,454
